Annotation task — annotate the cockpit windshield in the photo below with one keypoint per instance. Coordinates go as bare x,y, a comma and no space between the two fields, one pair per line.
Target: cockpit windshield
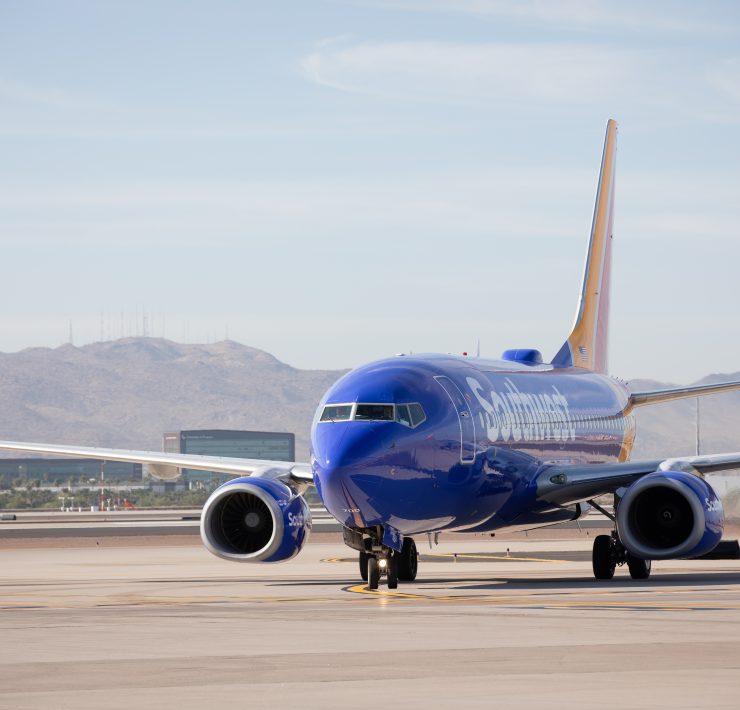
410,415
417,414
336,413
375,412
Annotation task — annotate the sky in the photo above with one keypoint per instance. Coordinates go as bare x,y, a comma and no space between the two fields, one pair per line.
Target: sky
342,180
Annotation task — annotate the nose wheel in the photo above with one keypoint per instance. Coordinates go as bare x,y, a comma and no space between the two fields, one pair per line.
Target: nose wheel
393,566
382,566
373,573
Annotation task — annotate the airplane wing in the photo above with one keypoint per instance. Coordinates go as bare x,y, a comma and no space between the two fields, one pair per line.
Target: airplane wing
163,465
562,484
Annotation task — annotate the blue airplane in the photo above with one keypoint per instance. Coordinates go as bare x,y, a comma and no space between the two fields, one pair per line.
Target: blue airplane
424,444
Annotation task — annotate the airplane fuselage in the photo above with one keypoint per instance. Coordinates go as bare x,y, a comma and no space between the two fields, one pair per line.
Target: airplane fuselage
489,428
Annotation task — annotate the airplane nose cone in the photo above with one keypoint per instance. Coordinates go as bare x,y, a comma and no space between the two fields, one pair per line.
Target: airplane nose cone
349,462
340,445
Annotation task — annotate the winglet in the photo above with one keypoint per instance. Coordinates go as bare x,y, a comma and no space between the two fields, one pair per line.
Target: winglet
586,346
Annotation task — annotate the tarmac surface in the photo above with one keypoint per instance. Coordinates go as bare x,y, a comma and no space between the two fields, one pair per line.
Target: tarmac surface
157,622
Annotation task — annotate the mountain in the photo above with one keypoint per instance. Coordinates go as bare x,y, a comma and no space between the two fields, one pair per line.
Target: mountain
126,393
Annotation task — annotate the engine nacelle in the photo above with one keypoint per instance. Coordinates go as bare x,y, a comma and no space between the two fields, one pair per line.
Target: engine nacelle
670,514
255,520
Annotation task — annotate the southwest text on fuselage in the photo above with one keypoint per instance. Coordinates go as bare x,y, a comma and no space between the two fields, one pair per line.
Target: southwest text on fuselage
515,415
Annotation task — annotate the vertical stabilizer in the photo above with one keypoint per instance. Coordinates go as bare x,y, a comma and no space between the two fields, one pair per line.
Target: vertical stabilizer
586,346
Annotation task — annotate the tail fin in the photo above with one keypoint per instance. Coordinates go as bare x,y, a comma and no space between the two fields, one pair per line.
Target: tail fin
586,346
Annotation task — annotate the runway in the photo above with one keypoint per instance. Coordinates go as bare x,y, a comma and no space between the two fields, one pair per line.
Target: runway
157,626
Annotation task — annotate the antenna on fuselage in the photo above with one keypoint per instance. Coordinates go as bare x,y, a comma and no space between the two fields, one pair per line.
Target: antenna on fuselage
477,349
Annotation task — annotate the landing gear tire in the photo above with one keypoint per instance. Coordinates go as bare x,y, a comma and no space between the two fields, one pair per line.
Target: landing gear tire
392,572
373,573
407,564
602,557
363,566
639,569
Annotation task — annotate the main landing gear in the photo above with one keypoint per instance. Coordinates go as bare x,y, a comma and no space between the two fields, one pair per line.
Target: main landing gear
608,552
394,566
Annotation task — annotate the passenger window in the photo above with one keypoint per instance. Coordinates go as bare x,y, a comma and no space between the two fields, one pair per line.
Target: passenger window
336,413
375,412
402,414
417,414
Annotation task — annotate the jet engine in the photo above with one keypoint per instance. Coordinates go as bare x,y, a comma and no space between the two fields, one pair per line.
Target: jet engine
670,514
255,520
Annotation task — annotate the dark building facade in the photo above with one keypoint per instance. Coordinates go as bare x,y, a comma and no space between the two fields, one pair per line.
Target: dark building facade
268,445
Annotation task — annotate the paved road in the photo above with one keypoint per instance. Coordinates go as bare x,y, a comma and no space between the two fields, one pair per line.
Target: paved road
160,626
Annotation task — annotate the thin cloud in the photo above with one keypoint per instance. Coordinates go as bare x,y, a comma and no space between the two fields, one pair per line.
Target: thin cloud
506,74
647,85
475,204
639,17
495,71
472,205
32,111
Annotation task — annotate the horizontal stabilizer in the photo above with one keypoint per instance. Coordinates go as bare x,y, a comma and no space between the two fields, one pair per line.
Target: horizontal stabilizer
638,399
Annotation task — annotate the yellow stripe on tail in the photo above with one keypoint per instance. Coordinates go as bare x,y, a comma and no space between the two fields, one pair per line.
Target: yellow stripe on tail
587,344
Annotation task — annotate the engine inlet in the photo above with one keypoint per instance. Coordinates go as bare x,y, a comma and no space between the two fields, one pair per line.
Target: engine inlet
241,523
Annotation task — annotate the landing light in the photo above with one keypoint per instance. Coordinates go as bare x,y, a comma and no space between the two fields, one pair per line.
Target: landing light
383,563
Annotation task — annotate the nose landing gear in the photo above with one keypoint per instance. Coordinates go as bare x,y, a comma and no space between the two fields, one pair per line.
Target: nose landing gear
382,566
394,566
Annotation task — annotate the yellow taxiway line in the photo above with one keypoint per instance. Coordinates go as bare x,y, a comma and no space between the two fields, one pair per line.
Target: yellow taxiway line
539,601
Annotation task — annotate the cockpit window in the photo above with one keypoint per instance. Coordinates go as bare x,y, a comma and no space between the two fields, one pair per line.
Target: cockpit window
336,413
417,414
402,414
375,412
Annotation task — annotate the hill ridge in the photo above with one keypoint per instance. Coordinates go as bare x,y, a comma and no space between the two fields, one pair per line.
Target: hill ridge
128,392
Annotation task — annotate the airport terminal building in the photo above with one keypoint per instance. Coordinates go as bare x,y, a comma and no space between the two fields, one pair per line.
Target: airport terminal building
269,445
